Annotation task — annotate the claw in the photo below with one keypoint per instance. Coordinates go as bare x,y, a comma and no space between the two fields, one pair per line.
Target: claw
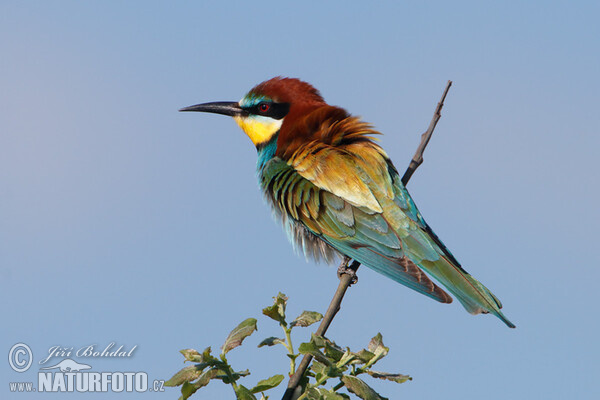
345,269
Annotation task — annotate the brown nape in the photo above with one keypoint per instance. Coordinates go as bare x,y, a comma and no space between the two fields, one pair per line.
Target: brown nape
320,125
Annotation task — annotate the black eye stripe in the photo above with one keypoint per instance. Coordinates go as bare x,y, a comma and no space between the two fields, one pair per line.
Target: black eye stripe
275,110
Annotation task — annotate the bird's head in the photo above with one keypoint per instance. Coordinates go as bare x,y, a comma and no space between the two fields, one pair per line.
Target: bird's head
263,111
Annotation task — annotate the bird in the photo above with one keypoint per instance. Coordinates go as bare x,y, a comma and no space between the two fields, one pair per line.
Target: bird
337,192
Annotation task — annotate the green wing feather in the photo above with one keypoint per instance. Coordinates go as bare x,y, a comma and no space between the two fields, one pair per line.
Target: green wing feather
357,232
350,196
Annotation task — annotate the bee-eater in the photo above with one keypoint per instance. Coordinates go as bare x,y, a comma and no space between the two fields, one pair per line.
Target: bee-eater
337,191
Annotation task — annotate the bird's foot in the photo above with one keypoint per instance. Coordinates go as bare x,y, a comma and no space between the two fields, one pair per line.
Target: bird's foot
345,269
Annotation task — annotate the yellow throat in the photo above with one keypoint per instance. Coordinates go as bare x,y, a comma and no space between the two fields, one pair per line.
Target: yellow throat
258,128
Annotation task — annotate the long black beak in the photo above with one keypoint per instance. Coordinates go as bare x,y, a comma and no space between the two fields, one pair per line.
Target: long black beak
232,109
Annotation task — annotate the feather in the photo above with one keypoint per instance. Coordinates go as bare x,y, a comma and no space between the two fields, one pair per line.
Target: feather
339,193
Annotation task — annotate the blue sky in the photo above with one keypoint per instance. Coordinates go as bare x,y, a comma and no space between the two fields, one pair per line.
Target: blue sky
122,220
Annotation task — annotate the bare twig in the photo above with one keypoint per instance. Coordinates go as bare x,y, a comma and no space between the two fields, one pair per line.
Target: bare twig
418,157
294,390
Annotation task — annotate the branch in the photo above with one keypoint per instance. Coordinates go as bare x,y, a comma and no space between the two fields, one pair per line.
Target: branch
418,157
345,282
293,390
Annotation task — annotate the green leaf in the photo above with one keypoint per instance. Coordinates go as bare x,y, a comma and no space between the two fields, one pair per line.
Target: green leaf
398,378
191,355
360,388
187,390
186,374
364,356
318,340
378,349
312,349
267,384
313,394
376,345
242,393
320,393
307,318
205,357
319,369
277,310
234,376
206,377
333,351
271,341
343,396
347,357
209,358
238,334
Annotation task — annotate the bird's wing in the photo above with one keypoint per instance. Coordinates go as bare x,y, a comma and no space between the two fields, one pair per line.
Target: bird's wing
351,197
345,219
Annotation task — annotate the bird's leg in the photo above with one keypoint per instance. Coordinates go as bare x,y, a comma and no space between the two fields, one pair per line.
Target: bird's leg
345,269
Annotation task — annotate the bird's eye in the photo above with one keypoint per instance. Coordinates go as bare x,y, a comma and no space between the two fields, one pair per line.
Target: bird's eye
264,107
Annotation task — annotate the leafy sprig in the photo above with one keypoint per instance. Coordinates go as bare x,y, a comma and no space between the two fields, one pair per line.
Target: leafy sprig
331,362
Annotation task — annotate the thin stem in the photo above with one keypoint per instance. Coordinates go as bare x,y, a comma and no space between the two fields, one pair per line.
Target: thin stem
229,372
303,396
418,157
322,380
290,347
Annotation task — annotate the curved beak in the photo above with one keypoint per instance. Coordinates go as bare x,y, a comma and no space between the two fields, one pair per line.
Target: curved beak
232,109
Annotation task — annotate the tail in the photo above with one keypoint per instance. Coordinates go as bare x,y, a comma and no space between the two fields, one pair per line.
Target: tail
408,270
471,293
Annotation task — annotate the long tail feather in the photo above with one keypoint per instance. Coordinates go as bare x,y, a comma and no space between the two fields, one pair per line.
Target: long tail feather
471,293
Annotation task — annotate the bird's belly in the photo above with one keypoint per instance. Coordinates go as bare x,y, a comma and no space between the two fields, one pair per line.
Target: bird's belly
304,241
